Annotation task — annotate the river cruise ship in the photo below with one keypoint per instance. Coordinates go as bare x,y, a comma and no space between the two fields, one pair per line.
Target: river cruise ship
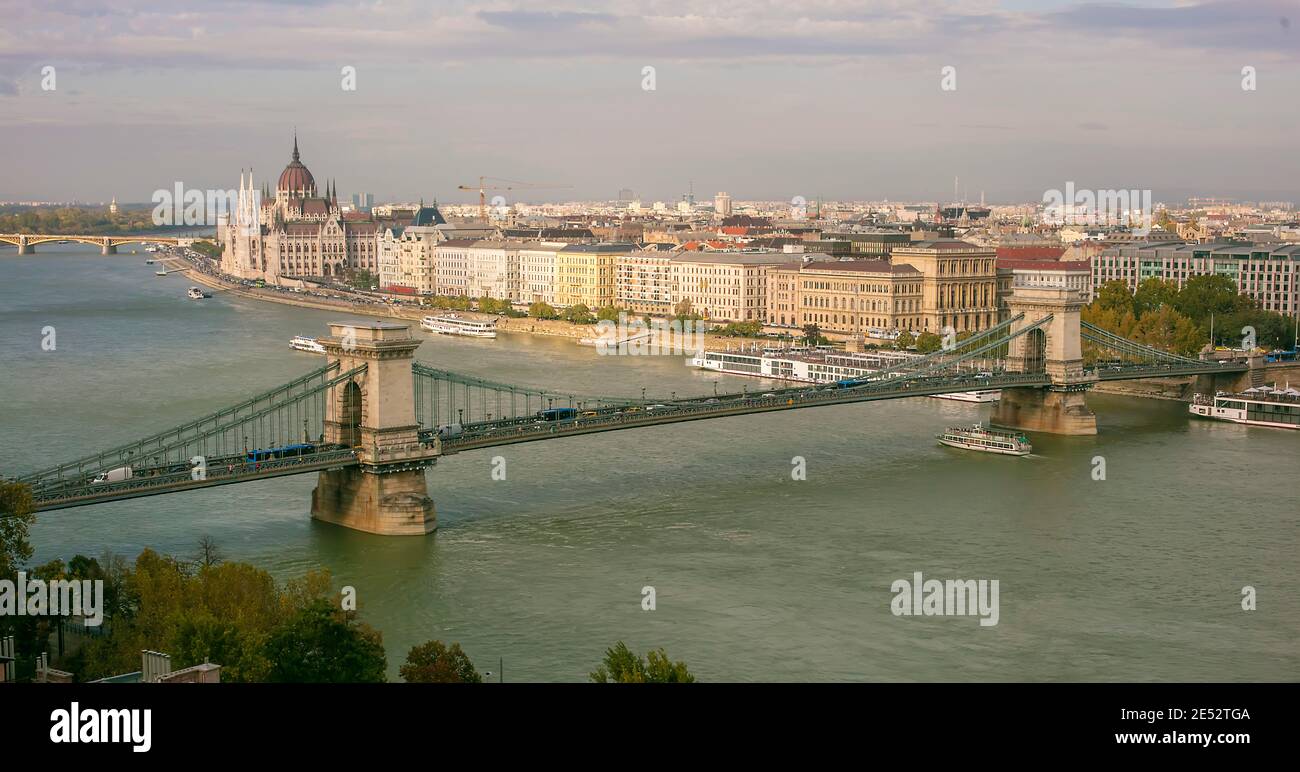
986,440
799,364
302,343
453,324
987,395
1258,406
821,364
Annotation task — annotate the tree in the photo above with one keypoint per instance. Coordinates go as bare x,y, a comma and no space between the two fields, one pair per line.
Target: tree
812,334
433,663
905,339
16,517
1154,293
579,314
623,666
543,311
927,343
684,310
1210,294
1114,296
609,313
322,644
208,553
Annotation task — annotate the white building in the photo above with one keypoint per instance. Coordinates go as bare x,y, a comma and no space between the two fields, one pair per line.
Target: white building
537,273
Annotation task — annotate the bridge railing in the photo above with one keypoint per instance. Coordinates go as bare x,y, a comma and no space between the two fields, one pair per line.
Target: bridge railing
216,473
287,413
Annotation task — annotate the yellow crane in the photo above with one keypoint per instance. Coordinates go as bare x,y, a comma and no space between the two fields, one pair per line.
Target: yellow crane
483,187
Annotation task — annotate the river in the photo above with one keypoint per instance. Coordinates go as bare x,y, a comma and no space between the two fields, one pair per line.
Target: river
757,576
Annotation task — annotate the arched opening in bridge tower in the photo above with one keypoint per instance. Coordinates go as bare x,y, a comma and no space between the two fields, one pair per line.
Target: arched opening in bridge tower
1035,351
350,415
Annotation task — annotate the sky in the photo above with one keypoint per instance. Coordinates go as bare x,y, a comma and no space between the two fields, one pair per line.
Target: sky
764,99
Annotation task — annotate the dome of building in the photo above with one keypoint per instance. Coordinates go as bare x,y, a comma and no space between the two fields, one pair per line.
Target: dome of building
296,178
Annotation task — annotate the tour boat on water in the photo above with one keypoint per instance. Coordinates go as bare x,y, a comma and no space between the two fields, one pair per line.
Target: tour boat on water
195,293
1258,406
986,440
453,324
303,343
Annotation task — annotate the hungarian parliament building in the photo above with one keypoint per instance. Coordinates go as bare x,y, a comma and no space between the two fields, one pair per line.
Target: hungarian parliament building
300,233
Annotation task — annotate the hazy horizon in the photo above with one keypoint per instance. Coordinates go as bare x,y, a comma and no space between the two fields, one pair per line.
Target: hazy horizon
815,98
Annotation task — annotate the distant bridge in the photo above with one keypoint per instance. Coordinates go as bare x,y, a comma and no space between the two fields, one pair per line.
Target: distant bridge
372,419
26,242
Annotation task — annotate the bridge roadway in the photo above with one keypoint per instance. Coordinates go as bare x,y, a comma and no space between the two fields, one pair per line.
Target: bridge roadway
226,470
530,429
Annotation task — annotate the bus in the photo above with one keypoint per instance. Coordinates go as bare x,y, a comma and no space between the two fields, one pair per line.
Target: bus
558,414
285,451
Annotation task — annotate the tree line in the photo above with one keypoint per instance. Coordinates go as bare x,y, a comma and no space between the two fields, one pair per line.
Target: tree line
203,608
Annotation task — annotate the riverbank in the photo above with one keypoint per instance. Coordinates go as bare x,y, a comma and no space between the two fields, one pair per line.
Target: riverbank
518,325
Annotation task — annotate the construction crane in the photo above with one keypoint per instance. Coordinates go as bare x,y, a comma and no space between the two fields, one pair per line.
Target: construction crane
482,189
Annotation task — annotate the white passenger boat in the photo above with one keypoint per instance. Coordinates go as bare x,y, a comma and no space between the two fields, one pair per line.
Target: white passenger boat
1258,406
195,293
800,364
454,324
985,440
302,343
989,395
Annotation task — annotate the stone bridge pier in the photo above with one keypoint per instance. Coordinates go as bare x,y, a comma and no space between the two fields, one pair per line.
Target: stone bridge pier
1055,348
374,412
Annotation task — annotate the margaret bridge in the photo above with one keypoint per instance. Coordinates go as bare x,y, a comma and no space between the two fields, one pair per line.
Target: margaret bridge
373,418
108,244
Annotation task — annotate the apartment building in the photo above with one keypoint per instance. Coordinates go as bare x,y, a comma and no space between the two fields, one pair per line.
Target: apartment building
1268,273
537,267
643,283
584,273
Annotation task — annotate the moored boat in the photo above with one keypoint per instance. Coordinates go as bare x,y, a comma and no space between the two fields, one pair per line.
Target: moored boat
1257,406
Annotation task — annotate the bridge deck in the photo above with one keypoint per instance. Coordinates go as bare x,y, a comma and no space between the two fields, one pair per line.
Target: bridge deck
219,472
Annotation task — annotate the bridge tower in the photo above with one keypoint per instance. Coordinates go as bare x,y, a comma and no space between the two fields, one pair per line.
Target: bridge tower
1054,348
374,412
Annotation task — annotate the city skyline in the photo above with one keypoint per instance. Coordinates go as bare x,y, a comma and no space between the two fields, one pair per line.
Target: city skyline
815,100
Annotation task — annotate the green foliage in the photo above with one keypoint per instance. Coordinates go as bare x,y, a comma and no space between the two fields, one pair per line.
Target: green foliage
812,335
197,611
493,306
360,278
322,644
928,343
543,311
905,340
579,314
207,249
609,313
433,663
77,221
16,506
740,329
684,311
1161,315
622,666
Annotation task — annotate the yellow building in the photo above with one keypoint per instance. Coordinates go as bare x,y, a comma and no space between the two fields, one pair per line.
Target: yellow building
584,273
